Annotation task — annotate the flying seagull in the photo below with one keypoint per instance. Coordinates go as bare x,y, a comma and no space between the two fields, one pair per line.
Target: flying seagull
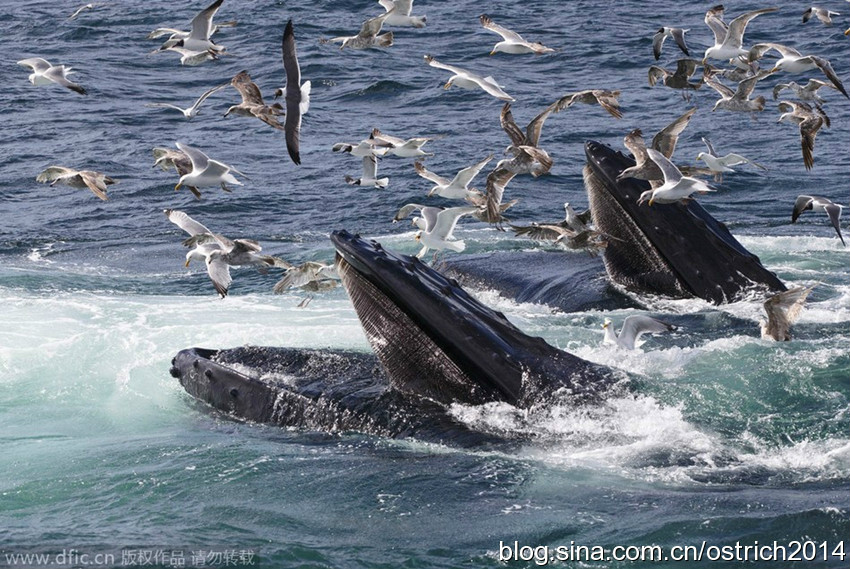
720,164
809,121
370,173
399,14
44,73
468,80
818,203
783,309
95,181
192,111
297,95
633,327
511,42
206,172
678,34
252,104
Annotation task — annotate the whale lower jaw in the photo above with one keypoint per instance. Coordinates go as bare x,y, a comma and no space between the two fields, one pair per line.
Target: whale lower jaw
676,250
435,340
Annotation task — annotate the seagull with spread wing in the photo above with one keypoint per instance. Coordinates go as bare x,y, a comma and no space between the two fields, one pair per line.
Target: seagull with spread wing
95,181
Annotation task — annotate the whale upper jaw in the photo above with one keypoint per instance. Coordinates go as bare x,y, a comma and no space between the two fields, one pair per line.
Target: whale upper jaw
436,340
676,250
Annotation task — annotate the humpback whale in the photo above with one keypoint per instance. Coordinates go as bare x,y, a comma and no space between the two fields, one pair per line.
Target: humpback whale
676,250
435,345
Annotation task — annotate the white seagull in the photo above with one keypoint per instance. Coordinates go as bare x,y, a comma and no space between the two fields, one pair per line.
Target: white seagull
370,173
458,187
720,164
409,148
511,42
633,327
44,73
206,172
728,40
793,61
467,80
192,111
676,186
297,95
441,235
399,14
822,14
819,204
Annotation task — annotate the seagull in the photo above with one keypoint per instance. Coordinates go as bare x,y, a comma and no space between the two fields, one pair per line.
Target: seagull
678,79
175,35
795,62
190,57
309,276
676,186
809,120
604,98
252,104
95,181
494,193
573,231
511,42
824,15
678,34
297,95
44,73
220,253
369,177
90,6
361,149
367,36
409,148
202,28
467,80
783,309
441,235
399,14
458,187
738,100
808,92
167,159
192,111
633,327
206,172
720,164
728,40
817,203
664,142
529,158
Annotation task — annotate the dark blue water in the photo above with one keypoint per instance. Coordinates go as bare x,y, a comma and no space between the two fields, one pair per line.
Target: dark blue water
727,439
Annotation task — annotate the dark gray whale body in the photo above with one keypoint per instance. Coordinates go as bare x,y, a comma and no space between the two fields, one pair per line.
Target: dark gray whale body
435,345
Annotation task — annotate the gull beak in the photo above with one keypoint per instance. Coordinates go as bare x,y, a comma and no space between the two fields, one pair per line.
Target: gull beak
699,157
447,85
493,52
651,200
774,70
704,61
178,186
187,264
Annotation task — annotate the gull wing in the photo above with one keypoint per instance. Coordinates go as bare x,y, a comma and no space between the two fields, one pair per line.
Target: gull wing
456,70
655,73
247,88
292,122
685,67
370,167
657,42
737,27
532,131
403,7
431,176
186,223
714,20
37,64
759,49
200,161
95,183
679,37
724,91
827,70
495,191
54,173
666,139
808,130
219,273
490,86
783,309
635,144
710,146
671,173
57,75
506,34
637,324
202,25
509,125
447,221
372,26
606,99
538,232
206,94
465,176
385,139
834,212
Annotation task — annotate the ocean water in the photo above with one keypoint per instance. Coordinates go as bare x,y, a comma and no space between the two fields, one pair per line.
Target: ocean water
725,439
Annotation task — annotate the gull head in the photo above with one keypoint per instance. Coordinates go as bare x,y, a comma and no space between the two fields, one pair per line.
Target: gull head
606,323
700,155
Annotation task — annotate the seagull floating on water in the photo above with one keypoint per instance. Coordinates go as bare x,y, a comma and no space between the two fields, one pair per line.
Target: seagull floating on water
95,181
44,73
511,42
819,204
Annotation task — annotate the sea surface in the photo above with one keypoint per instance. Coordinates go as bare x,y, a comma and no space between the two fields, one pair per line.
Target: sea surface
727,439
